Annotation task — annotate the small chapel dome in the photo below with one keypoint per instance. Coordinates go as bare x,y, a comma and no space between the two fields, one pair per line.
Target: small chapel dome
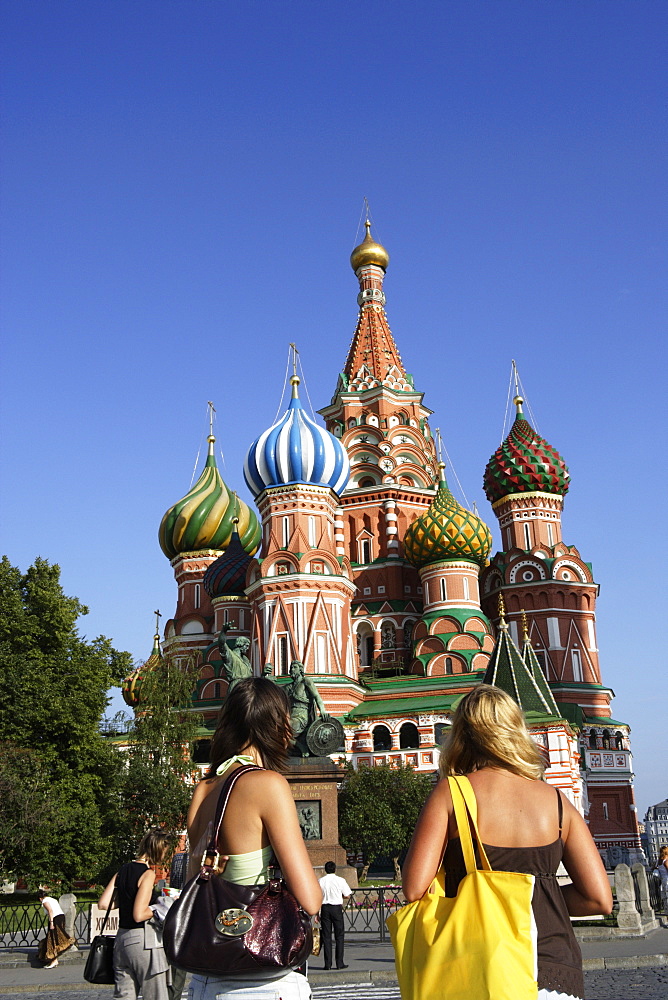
131,685
369,252
525,463
296,450
203,518
446,531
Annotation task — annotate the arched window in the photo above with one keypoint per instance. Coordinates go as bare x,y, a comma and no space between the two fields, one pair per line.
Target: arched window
439,733
365,550
283,654
408,634
387,636
448,665
367,483
592,740
365,646
619,741
409,738
382,738
197,595
216,690
606,739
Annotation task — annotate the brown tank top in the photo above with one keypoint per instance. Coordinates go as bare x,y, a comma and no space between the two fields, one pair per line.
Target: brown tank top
559,955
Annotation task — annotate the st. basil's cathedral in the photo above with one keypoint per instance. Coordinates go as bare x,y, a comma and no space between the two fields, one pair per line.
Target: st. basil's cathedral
363,566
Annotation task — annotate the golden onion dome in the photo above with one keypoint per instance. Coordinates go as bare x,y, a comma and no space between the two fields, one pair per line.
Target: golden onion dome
369,252
446,531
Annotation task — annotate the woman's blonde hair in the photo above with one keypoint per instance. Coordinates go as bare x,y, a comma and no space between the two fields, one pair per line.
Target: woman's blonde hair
155,845
663,853
488,729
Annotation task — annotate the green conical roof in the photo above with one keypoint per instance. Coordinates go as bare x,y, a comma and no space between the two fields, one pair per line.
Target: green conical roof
446,531
204,518
507,670
533,663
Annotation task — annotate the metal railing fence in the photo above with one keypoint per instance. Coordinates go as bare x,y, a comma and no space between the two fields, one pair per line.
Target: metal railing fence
366,910
23,925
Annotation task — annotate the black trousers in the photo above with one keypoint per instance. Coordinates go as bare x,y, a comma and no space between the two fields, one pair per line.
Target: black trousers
331,918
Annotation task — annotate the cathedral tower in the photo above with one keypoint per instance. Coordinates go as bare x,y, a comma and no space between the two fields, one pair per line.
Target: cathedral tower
526,481
193,534
382,423
301,588
449,545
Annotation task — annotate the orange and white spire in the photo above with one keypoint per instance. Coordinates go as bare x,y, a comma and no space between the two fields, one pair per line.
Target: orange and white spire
373,359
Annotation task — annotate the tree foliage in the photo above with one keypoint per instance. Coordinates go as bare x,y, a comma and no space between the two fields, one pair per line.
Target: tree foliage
378,810
53,691
156,786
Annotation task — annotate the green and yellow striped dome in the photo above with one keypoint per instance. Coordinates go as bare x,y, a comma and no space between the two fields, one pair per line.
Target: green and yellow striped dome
447,531
204,518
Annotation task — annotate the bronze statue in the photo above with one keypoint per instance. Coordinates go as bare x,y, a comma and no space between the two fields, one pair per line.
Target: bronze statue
316,732
235,661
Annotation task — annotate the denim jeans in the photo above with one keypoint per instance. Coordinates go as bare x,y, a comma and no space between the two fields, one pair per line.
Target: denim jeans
292,986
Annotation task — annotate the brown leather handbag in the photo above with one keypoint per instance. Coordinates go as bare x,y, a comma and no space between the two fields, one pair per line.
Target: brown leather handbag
219,928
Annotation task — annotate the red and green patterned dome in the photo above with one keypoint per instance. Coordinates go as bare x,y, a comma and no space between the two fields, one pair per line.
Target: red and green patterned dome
447,531
525,463
204,518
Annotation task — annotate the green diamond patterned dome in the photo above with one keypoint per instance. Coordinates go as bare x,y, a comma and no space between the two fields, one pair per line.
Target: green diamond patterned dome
204,518
525,463
447,531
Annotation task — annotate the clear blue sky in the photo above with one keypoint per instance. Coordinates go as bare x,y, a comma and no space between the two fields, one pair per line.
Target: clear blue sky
182,186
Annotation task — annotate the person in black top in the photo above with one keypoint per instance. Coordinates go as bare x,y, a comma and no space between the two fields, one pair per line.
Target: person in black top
139,959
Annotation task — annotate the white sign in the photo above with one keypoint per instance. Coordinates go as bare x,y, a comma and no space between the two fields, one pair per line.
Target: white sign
97,919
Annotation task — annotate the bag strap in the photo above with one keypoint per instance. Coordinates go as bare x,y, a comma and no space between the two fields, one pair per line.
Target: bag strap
109,909
211,855
466,811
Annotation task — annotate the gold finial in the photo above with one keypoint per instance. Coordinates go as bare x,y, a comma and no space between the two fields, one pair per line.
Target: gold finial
158,616
525,626
518,403
502,613
294,382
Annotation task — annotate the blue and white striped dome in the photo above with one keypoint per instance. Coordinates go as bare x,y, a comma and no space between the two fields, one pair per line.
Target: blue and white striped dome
296,450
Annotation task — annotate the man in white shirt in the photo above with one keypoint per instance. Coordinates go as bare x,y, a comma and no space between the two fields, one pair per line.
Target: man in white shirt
334,888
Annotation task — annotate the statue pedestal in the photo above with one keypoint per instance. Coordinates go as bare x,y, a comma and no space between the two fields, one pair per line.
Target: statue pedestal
313,782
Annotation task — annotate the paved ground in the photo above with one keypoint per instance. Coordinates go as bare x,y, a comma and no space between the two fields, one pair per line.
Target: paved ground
647,984
630,969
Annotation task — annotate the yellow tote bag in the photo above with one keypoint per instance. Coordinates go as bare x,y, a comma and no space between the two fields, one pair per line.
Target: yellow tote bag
481,945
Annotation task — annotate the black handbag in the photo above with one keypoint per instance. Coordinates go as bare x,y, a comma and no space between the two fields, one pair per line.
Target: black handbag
219,928
99,966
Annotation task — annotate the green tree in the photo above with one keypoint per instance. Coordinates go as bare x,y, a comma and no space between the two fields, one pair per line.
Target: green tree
53,691
378,810
156,787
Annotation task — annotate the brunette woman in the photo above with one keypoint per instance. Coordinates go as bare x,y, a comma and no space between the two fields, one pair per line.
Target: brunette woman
140,964
260,818
531,825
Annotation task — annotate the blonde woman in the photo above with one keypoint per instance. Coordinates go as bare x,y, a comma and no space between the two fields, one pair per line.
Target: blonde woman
525,825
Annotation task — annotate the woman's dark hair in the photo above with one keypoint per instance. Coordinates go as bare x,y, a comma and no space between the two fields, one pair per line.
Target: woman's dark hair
256,712
155,845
